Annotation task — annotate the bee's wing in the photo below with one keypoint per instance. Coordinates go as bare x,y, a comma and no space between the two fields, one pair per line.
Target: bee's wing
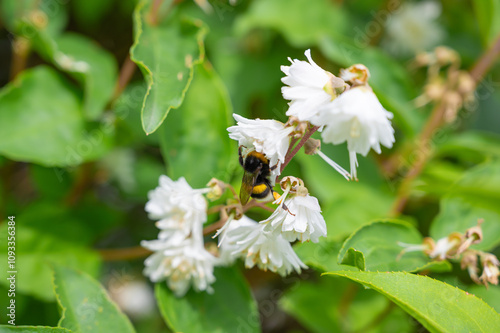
247,184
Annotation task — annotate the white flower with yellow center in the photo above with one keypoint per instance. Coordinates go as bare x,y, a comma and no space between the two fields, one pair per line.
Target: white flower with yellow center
181,262
177,206
266,136
358,118
247,239
308,87
298,215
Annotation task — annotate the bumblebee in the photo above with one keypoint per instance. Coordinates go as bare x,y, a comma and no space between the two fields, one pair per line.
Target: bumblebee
256,181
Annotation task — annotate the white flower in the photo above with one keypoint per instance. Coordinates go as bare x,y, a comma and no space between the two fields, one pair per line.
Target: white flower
135,297
357,117
414,28
445,247
300,220
269,137
490,269
247,239
309,87
182,262
177,206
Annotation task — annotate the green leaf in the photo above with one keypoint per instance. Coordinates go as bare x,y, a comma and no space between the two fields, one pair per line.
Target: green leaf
488,18
322,255
231,306
166,54
374,247
438,306
35,252
475,196
471,146
490,295
353,257
340,199
322,307
95,68
92,66
34,329
194,142
85,305
41,105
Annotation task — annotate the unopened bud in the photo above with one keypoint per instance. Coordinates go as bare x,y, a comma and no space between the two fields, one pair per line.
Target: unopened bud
356,74
335,86
217,188
434,90
469,262
423,59
445,55
39,19
312,146
294,185
466,84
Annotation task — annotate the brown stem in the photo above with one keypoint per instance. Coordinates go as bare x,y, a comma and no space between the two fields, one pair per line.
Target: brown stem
20,51
214,227
128,253
154,12
487,60
435,121
291,154
126,73
83,181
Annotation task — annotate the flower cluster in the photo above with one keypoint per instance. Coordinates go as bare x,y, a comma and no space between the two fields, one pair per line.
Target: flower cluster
456,246
179,254
344,109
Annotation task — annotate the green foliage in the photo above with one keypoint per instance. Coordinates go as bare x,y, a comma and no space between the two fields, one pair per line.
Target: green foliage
323,26
83,143
32,329
438,306
475,196
85,305
37,252
348,308
231,307
168,74
322,256
340,199
27,113
92,66
488,18
374,247
195,135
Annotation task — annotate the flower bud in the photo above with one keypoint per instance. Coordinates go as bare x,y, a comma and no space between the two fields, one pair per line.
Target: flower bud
356,74
217,188
490,269
312,146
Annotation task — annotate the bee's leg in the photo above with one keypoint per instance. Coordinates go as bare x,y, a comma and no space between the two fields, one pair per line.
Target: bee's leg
240,155
286,208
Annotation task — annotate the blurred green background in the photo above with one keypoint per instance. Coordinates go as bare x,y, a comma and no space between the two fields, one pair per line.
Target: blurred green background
76,163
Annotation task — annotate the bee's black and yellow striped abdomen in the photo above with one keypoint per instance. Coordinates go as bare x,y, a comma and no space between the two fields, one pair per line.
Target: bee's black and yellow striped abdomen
255,182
